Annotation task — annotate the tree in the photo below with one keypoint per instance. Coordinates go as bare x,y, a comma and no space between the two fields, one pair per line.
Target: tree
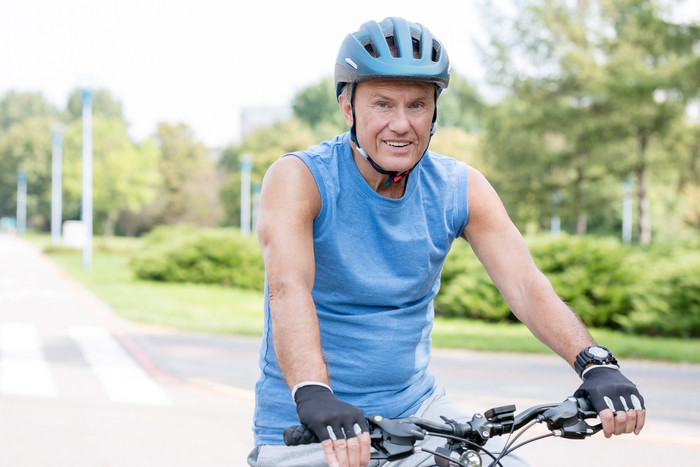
460,105
317,105
590,75
27,146
103,103
125,176
15,107
264,146
647,61
190,190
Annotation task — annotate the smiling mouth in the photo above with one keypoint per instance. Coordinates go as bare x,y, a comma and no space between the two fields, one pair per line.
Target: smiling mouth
397,144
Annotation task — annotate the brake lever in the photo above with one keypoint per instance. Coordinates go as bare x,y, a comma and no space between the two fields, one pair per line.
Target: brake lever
567,419
393,439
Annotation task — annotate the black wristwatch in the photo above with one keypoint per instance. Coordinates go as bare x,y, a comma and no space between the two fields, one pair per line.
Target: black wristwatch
596,355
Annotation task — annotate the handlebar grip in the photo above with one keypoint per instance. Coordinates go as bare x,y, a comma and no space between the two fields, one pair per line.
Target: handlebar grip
299,434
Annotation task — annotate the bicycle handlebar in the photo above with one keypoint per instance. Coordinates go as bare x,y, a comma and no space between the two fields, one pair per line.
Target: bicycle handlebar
395,438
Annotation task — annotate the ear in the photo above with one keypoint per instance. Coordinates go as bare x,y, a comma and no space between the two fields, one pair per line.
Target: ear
346,108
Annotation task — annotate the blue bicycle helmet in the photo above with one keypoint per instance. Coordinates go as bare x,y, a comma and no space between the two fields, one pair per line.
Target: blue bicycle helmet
393,49
367,54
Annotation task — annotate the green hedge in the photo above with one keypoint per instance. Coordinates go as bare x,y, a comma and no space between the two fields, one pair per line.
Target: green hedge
195,255
667,303
607,283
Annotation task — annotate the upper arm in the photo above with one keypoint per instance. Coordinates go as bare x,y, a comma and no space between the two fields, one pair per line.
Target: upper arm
289,203
497,242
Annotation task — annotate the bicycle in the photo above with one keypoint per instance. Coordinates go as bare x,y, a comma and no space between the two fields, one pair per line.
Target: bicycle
394,439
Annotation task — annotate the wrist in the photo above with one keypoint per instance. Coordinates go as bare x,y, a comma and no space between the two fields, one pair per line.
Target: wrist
593,355
308,383
602,365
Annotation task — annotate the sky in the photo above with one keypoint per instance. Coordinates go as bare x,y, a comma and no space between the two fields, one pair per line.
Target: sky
200,62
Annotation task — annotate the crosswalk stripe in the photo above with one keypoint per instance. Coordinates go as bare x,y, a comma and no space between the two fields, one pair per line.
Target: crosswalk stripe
121,377
23,369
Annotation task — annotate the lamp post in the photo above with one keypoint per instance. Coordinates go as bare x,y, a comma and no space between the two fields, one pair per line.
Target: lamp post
21,201
627,209
56,183
555,221
86,211
246,166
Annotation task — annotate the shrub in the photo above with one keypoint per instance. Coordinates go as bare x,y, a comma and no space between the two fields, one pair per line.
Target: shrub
467,291
667,303
208,256
593,275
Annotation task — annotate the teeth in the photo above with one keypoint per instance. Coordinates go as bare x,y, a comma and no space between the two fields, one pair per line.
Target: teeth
396,144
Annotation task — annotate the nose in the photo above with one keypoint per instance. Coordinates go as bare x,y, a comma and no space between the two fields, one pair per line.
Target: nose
400,121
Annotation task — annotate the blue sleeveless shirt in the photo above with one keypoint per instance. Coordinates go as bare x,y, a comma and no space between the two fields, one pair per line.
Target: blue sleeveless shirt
378,264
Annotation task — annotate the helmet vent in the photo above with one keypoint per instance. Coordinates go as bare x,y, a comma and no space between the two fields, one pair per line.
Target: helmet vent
370,48
392,46
436,51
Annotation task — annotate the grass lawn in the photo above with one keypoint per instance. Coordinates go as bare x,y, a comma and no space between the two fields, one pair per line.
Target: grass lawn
222,310
190,307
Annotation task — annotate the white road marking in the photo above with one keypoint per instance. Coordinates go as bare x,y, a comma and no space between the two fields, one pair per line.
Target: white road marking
23,368
122,378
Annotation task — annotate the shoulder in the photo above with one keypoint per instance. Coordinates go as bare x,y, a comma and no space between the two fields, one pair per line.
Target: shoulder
486,210
288,184
444,169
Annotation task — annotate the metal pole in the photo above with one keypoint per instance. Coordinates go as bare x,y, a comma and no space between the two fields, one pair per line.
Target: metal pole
21,201
555,221
256,205
627,209
56,184
246,166
86,214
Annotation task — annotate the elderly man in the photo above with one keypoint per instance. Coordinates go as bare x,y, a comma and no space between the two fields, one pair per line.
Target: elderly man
354,233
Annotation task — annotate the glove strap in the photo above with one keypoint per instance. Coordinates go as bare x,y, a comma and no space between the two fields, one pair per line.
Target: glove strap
307,383
608,365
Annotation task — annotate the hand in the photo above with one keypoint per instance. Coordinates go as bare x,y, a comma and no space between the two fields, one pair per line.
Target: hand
341,427
615,398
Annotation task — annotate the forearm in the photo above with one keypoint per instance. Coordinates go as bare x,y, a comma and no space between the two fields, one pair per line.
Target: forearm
297,338
551,320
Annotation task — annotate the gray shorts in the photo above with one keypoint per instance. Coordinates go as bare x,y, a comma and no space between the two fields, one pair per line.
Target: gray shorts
438,404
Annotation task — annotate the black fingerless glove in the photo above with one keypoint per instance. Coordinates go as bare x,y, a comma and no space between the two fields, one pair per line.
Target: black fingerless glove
607,388
328,417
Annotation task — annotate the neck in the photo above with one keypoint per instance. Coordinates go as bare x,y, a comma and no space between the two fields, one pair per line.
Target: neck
377,181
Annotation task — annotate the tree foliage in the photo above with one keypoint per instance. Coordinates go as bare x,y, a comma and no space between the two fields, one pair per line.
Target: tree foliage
593,89
20,149
103,104
316,105
124,175
15,107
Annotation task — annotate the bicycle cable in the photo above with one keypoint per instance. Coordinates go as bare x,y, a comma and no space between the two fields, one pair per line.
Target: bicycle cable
472,444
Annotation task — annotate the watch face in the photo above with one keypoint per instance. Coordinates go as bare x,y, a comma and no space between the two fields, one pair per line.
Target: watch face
598,352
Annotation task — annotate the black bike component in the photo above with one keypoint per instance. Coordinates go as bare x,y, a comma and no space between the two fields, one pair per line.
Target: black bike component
567,420
393,439
500,414
299,434
452,456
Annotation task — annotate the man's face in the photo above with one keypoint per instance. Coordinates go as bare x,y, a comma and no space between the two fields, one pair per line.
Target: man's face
393,121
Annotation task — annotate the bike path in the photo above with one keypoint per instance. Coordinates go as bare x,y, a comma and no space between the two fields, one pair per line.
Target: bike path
80,386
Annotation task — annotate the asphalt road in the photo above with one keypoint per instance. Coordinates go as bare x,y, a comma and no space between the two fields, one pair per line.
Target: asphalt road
81,387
